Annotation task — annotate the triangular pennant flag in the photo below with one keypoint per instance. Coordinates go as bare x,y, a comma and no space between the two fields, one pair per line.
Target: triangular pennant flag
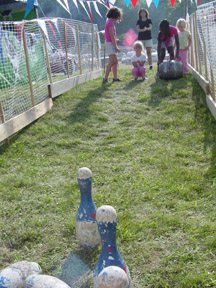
82,4
112,2
30,4
148,2
66,4
63,5
156,2
127,2
198,2
134,2
172,2
96,9
90,12
42,25
75,3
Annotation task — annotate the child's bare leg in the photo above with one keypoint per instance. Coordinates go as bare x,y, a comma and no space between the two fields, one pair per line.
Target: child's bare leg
109,66
114,67
148,49
171,52
161,57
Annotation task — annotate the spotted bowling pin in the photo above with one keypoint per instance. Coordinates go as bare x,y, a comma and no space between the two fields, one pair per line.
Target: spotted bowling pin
86,225
107,222
112,277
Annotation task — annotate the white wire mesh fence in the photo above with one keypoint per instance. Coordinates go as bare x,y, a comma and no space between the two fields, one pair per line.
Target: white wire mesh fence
35,53
203,30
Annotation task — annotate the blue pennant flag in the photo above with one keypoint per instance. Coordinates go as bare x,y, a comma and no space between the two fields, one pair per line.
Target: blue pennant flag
127,2
30,4
156,2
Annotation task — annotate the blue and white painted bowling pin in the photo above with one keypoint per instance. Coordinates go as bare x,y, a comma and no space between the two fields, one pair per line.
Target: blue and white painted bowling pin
86,225
44,281
106,218
14,276
112,277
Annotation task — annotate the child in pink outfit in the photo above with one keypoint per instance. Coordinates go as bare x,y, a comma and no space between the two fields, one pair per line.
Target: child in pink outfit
138,61
185,41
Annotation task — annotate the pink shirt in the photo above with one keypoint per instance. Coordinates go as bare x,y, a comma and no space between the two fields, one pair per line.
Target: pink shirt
173,31
108,24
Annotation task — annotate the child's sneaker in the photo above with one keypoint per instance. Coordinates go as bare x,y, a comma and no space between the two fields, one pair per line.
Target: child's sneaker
157,75
117,80
104,81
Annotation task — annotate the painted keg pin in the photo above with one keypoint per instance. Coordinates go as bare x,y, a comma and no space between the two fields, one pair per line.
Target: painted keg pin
107,223
86,225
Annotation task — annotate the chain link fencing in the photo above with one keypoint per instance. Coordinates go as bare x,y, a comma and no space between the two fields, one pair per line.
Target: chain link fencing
36,53
202,25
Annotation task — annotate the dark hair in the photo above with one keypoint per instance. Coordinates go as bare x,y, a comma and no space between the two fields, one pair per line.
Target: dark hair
140,11
164,25
114,13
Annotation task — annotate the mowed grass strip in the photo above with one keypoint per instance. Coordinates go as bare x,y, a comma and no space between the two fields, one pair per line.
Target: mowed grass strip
151,147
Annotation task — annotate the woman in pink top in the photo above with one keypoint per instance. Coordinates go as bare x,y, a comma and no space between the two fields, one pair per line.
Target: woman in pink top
165,41
113,15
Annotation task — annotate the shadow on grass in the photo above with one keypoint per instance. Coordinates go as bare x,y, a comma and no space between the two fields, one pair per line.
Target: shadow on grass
208,123
81,112
76,269
162,89
131,84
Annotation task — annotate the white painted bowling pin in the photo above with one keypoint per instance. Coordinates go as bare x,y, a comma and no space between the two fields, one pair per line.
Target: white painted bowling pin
107,222
112,277
86,225
44,281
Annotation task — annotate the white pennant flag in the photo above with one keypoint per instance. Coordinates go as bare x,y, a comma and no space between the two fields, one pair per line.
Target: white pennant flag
75,3
96,9
84,8
112,2
148,2
42,25
66,4
63,6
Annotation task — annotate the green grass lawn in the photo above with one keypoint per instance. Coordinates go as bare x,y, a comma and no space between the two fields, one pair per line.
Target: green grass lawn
151,147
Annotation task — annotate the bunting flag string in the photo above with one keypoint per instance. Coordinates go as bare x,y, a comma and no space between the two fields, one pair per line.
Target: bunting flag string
106,3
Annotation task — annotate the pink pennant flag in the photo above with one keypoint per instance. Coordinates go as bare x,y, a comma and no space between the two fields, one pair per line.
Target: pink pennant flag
198,2
173,2
134,2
